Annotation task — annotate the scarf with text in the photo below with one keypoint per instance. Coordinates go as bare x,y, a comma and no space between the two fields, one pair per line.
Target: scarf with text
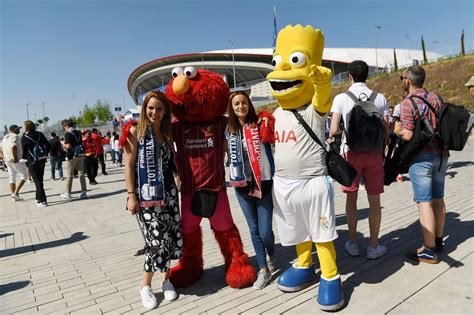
251,137
150,172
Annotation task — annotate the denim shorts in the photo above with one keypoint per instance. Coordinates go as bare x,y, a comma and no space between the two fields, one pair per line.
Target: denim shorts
427,177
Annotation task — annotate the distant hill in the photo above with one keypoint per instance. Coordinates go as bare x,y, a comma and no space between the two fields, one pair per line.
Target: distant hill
446,78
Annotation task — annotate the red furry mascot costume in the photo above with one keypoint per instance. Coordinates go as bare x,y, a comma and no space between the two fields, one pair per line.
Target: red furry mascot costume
198,101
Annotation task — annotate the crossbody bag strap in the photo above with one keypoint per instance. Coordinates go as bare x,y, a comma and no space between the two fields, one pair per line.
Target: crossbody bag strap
31,138
308,129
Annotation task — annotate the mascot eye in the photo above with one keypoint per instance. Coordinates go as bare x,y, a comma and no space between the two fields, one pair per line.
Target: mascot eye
176,72
276,60
297,59
190,72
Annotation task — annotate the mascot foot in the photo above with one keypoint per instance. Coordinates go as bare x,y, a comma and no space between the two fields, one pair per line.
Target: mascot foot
190,267
239,273
330,295
296,278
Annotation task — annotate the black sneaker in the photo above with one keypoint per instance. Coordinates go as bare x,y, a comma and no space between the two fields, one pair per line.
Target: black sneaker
423,254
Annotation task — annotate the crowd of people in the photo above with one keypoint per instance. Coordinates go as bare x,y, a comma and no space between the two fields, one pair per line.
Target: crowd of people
153,180
82,152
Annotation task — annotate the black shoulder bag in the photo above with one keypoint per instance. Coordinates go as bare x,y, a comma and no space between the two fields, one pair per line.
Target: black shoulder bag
338,168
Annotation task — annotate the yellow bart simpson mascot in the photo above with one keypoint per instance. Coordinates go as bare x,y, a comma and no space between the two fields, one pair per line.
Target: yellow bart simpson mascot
303,194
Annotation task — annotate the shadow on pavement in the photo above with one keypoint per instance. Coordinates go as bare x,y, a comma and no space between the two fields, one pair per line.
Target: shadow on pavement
12,286
101,195
399,242
460,164
76,237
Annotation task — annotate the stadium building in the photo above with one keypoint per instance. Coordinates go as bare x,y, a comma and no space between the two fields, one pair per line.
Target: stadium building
248,68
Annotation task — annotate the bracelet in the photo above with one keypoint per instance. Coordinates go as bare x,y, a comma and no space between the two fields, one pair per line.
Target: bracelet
131,192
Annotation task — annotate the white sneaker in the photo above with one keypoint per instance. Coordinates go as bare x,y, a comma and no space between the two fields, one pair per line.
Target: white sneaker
169,291
271,263
66,196
43,204
15,197
263,278
351,248
148,298
374,253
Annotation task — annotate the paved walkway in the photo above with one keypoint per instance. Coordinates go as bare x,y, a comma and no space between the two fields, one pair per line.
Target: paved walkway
77,257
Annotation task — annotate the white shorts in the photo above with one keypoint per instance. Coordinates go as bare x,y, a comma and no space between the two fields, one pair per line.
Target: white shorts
304,209
15,169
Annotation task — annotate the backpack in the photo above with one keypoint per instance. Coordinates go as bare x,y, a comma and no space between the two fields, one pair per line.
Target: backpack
366,128
39,152
454,124
78,149
397,160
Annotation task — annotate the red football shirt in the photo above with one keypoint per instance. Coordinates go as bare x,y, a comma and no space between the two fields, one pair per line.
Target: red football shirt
200,154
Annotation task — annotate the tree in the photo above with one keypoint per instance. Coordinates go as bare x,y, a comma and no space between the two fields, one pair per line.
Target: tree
395,62
463,52
102,110
425,60
98,113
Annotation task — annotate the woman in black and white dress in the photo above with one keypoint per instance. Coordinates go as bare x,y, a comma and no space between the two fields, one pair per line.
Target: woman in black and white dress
160,224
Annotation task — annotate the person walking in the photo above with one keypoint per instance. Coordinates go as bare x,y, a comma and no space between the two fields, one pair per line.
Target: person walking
251,171
369,164
35,149
118,150
90,161
74,159
55,156
99,152
152,193
428,168
112,147
12,154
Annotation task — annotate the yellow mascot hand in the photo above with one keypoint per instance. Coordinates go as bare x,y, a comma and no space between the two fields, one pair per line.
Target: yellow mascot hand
321,78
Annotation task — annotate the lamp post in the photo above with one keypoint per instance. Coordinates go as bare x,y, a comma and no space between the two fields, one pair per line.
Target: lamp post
44,116
376,27
233,61
408,39
435,44
27,111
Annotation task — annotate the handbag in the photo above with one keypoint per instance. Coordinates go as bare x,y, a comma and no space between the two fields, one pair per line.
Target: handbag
338,168
204,203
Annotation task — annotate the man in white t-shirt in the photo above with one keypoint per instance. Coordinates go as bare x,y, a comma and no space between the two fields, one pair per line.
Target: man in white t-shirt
12,152
369,164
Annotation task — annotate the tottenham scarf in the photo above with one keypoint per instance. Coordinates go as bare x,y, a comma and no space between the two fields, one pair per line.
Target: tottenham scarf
150,172
237,174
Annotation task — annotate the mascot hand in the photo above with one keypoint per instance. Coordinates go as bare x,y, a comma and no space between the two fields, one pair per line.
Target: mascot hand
320,75
321,78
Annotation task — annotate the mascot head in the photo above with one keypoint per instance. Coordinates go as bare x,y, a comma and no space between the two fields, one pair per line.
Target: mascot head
197,95
297,48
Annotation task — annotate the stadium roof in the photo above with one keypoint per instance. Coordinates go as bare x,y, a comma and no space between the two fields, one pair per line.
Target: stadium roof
252,65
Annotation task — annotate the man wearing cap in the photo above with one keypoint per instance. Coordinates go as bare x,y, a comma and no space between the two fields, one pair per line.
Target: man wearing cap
470,85
12,153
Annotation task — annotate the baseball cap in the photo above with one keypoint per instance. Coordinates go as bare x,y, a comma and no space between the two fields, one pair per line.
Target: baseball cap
13,127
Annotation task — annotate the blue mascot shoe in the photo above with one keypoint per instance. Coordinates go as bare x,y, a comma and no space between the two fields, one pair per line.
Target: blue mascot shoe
296,278
330,295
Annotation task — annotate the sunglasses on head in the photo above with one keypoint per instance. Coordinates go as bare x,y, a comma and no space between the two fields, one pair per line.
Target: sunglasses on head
402,78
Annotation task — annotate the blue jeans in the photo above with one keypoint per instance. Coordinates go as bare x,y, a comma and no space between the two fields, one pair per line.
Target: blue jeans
258,213
427,178
56,164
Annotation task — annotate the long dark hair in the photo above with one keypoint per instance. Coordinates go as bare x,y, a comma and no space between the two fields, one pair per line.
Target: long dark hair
234,122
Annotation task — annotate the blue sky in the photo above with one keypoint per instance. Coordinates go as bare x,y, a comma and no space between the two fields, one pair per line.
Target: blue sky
67,53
